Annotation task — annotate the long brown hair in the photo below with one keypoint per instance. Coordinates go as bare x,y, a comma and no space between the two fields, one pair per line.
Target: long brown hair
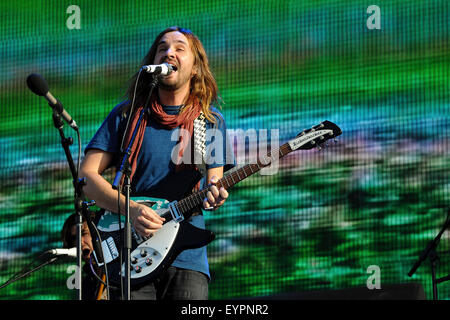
203,85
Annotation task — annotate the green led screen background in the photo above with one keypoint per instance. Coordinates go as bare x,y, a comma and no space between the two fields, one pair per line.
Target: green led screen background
375,198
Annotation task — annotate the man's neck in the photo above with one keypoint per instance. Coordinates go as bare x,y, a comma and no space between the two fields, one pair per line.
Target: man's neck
173,97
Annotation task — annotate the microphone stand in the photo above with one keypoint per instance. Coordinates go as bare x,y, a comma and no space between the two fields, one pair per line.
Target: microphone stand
66,142
81,207
125,169
430,253
23,273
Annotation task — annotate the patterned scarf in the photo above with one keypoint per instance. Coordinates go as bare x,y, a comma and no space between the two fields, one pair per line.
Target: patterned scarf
185,121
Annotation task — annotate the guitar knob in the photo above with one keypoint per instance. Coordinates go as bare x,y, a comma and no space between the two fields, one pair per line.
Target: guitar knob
143,253
134,260
137,269
148,261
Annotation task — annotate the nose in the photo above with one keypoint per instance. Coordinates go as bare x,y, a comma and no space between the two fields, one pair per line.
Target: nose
170,52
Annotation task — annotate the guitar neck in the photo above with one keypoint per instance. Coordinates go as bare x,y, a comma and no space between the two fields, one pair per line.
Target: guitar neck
228,181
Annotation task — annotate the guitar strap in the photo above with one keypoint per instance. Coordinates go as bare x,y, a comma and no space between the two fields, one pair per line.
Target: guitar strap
199,137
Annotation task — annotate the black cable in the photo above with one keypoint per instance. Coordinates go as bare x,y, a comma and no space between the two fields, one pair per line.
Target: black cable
79,151
131,111
92,224
104,263
121,242
95,273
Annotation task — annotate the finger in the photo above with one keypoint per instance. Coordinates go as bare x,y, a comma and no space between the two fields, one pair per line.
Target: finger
148,224
210,198
218,204
141,230
213,180
144,227
219,201
151,215
156,217
223,193
147,232
214,191
206,205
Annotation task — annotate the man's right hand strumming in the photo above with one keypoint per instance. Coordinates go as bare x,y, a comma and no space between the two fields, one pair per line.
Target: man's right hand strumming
144,219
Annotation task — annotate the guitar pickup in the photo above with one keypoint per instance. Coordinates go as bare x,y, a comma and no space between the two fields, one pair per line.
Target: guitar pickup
178,217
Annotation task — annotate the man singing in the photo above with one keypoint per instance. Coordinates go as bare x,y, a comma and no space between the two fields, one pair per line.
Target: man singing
179,98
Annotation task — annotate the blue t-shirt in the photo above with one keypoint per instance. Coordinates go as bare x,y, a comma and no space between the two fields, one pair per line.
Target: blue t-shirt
154,163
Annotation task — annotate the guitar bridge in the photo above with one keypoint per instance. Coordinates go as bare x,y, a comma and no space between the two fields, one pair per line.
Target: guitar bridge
177,216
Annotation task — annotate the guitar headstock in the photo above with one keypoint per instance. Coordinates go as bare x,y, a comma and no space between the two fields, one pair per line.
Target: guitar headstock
315,136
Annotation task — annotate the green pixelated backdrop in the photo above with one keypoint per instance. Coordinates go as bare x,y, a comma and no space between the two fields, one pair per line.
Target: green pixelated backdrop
376,198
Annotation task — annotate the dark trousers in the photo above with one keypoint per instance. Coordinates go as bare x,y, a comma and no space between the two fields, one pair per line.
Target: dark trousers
174,284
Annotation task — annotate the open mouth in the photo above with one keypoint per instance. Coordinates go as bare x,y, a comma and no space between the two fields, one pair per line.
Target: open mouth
86,253
173,65
174,68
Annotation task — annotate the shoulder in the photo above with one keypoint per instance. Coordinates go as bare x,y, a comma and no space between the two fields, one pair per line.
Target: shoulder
216,112
118,110
218,117
116,116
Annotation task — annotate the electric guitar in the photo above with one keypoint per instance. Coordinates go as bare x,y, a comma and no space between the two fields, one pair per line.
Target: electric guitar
150,256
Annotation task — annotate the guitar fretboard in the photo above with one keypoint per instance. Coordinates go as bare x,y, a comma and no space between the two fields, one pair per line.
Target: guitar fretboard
197,198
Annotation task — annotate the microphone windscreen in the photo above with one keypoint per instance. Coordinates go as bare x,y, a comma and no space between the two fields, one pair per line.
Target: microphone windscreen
37,84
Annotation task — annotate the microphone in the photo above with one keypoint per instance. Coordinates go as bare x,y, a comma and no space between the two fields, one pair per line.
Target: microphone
39,86
72,252
159,69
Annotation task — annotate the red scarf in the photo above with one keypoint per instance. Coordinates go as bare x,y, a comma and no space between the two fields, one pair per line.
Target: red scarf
184,121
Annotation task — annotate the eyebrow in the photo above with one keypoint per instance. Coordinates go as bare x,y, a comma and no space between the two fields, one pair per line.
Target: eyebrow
180,41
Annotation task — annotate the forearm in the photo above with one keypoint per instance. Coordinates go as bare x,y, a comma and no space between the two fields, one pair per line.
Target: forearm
99,189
